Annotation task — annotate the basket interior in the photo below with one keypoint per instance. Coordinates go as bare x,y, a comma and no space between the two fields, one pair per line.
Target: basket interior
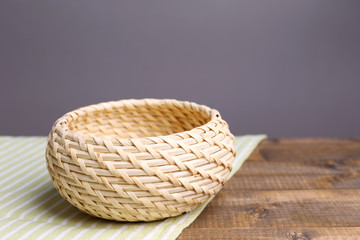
131,121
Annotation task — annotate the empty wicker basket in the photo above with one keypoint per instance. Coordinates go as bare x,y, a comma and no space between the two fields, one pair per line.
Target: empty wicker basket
139,160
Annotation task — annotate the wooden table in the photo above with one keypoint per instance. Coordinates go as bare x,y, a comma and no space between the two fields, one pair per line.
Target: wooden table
288,189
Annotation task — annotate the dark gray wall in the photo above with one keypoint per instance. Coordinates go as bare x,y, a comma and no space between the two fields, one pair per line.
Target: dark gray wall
285,68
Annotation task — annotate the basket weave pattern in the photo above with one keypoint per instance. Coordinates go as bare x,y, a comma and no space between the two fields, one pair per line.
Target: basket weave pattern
139,160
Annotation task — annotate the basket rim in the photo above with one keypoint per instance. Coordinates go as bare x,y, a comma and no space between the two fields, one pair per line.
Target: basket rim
62,122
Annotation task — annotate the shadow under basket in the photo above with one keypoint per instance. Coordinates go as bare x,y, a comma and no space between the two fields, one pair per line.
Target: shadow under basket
139,160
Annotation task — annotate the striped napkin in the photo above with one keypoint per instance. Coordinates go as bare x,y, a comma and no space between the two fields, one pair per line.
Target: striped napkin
31,208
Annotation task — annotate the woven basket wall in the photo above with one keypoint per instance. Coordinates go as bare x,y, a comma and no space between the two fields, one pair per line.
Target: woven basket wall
139,160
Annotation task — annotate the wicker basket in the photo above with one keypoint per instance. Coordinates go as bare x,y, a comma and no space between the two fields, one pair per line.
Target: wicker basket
139,160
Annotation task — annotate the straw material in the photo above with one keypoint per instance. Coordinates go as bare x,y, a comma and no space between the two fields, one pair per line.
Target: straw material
139,160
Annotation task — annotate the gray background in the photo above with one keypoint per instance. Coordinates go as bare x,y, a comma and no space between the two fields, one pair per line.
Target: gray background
285,68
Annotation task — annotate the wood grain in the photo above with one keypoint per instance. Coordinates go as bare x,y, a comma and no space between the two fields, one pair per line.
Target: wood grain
288,189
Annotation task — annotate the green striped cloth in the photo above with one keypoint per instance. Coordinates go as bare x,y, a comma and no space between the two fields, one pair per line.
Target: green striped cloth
31,208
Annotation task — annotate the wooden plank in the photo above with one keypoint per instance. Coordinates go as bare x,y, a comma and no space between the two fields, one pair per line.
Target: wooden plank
296,181
302,164
289,189
282,209
305,166
320,233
